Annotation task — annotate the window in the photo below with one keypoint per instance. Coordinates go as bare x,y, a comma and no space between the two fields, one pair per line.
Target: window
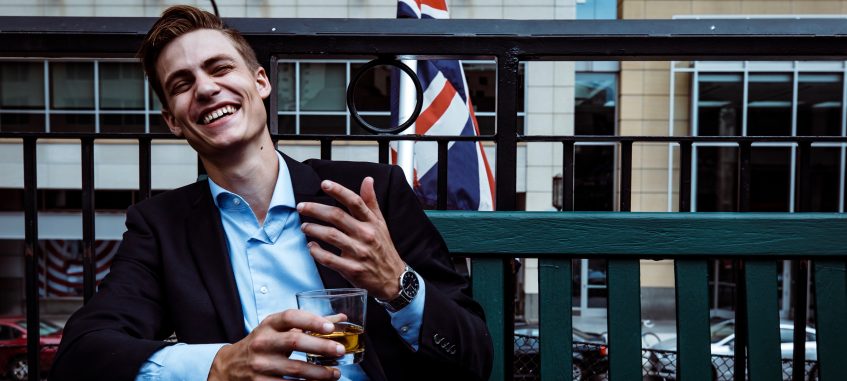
596,9
311,96
594,164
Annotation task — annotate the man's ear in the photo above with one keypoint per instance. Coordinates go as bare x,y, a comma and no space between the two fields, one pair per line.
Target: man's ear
263,84
175,128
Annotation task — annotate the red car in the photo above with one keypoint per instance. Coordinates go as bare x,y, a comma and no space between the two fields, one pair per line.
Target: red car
13,361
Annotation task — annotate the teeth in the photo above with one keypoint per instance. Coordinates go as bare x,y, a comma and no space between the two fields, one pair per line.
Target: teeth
215,114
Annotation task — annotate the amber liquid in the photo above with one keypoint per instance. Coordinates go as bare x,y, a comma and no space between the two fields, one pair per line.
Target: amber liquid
351,336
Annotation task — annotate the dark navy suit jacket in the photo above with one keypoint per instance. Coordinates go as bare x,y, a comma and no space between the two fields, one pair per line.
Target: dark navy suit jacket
172,275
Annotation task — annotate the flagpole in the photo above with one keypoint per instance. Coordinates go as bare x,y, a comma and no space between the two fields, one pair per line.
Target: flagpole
406,105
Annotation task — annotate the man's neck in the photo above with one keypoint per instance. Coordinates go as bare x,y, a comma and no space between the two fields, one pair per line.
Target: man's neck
252,174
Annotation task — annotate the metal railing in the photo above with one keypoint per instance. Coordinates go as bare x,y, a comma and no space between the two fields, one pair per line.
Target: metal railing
626,238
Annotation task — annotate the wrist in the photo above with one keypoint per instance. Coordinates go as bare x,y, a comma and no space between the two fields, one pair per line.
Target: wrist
405,291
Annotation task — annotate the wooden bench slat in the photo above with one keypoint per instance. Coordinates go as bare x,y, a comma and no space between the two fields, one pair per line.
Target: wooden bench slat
488,280
556,322
624,319
831,312
692,323
763,355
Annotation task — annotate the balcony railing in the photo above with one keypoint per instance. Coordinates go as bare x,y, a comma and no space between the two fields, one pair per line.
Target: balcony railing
754,241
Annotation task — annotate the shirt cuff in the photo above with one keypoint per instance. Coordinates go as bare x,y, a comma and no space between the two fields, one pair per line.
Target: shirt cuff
407,321
179,362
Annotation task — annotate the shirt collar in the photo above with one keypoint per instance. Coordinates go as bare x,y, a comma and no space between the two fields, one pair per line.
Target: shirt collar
283,191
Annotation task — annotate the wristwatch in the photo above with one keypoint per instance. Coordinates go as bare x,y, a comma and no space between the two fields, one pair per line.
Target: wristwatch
408,290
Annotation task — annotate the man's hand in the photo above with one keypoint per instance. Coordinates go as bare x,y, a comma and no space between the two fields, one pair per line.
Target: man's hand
368,258
263,354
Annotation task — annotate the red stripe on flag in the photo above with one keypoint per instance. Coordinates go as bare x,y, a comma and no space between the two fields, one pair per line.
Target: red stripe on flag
437,4
435,110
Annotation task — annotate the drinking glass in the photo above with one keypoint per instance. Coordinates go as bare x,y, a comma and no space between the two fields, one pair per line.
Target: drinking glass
349,330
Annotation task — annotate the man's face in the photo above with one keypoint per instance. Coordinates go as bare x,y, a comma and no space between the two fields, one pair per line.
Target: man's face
212,97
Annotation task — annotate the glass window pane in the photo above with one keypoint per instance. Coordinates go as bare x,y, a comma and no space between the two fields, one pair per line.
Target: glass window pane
486,125
597,9
122,123
22,85
482,85
155,104
593,183
121,86
157,124
373,92
285,124
824,187
285,87
819,104
380,121
72,85
323,87
595,103
319,124
719,104
72,123
769,104
770,179
14,122
717,179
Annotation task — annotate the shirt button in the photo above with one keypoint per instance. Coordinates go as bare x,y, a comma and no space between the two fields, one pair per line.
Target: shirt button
236,202
264,290
404,329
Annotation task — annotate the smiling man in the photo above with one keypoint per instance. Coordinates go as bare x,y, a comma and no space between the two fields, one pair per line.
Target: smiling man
216,264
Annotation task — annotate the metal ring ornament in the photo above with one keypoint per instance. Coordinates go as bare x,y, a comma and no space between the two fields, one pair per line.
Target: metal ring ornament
351,98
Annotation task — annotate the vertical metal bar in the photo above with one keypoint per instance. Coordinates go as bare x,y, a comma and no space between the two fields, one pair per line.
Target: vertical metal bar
624,319
800,275
272,103
383,151
441,192
326,148
831,307
556,323
506,186
685,176
568,151
31,257
488,289
744,168
626,175
692,322
145,179
763,353
88,268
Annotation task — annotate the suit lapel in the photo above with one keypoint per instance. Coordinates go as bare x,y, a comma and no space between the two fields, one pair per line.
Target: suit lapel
307,188
207,241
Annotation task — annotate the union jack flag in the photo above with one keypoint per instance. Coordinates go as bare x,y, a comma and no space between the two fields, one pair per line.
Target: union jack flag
447,110
60,272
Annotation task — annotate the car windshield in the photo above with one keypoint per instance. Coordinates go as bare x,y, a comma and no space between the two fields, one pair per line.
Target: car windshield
720,331
44,328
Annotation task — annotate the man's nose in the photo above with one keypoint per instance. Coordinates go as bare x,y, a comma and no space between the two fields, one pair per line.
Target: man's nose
206,87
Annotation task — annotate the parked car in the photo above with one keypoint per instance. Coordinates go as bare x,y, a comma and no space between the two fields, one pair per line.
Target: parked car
590,355
660,359
13,349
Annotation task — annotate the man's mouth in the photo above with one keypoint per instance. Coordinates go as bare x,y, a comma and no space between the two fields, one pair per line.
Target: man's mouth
217,114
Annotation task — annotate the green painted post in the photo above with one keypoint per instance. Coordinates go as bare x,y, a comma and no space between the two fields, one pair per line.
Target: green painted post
624,320
556,326
831,309
763,354
692,322
488,277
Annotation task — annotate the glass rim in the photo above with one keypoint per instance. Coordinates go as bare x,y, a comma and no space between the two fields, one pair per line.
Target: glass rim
328,292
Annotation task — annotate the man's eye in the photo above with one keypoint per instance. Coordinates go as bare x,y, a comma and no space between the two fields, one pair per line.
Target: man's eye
179,87
222,69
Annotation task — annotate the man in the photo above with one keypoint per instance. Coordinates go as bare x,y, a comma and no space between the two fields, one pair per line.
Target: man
217,263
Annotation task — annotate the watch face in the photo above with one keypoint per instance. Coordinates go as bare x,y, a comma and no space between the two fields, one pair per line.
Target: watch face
410,284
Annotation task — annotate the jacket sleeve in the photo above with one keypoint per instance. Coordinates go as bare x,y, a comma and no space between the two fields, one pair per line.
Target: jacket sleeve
454,338
123,324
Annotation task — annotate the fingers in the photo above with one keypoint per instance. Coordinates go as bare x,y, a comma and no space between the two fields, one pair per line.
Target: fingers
369,196
291,319
331,260
349,199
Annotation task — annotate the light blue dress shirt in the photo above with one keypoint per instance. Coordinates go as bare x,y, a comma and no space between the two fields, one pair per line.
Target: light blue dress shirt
271,263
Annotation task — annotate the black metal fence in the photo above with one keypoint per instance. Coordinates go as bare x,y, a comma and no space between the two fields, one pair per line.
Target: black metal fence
508,42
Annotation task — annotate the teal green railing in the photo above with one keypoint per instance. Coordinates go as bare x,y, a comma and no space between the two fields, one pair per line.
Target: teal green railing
691,239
